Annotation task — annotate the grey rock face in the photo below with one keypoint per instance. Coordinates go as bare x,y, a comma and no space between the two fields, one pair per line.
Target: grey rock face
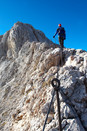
13,40
84,119
28,63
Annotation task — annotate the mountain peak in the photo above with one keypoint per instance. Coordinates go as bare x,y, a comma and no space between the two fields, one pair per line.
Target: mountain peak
12,41
28,32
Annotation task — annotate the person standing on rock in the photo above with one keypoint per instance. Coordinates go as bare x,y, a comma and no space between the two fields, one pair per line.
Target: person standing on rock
61,35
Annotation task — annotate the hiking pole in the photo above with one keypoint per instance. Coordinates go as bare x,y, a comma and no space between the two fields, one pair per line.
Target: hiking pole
85,64
61,56
56,84
85,71
49,110
55,40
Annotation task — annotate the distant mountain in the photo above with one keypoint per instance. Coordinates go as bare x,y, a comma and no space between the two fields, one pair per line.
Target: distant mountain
28,63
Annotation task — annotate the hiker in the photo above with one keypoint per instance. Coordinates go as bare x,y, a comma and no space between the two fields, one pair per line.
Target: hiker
61,35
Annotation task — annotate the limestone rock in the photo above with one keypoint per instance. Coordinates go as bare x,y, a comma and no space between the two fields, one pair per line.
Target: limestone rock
73,125
84,119
28,63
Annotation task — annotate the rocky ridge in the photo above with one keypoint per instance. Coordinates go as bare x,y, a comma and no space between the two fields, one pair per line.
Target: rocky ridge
28,63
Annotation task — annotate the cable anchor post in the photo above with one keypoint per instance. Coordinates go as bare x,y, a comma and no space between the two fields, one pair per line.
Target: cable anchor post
56,84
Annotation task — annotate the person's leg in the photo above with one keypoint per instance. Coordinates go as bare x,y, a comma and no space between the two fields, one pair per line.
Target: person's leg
61,42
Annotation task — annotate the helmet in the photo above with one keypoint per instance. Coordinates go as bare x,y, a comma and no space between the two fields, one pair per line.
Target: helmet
59,25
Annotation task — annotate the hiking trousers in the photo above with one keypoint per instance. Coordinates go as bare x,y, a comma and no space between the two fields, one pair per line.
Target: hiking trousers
61,41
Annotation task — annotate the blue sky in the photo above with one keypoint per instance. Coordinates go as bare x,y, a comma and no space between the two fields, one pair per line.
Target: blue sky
45,15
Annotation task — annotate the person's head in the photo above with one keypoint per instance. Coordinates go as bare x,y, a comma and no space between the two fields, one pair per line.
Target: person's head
59,25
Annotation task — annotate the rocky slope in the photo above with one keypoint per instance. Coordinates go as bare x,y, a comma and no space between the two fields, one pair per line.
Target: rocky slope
28,63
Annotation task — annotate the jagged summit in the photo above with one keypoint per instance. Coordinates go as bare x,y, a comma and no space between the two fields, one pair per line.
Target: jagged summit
13,40
26,32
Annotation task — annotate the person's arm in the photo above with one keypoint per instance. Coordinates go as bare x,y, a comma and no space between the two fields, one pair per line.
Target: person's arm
55,33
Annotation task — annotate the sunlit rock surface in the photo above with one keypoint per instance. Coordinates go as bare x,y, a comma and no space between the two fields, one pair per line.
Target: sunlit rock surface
28,63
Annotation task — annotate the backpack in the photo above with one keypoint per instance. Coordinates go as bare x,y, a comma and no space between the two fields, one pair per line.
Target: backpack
61,32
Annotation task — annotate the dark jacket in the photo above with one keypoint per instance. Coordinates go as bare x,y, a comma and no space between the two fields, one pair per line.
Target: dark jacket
61,32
